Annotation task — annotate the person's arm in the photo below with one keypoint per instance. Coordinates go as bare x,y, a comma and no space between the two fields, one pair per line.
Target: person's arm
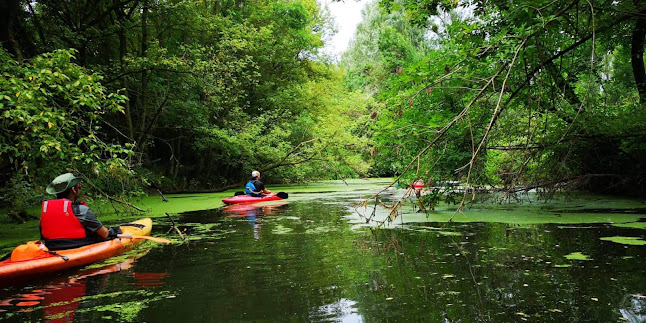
103,232
92,223
262,188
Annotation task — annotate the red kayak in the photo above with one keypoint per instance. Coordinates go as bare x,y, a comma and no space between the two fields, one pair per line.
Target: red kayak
250,199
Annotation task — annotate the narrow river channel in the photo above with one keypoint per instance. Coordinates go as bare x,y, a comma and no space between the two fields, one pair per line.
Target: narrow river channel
313,258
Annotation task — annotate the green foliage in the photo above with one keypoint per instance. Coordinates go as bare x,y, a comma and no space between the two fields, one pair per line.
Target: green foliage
51,112
503,94
19,194
202,93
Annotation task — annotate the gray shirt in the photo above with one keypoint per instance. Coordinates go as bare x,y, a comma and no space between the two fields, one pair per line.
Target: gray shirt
87,218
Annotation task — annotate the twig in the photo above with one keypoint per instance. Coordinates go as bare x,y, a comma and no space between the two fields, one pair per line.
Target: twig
114,207
174,227
89,182
123,202
162,195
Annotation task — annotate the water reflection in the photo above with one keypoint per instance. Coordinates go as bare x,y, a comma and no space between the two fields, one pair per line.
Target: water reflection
62,297
637,312
343,310
254,213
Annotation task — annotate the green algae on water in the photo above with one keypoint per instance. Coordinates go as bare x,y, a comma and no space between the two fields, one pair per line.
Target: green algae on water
634,241
449,233
128,311
577,256
134,254
320,229
280,229
632,225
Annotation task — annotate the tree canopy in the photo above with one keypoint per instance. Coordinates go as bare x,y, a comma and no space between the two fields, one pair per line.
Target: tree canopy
493,93
182,95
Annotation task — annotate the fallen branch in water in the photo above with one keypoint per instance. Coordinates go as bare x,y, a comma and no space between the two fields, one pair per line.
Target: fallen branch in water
122,202
174,227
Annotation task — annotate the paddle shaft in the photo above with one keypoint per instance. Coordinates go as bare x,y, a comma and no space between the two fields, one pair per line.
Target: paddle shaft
282,195
155,239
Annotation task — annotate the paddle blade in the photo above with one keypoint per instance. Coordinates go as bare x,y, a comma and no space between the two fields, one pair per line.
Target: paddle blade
154,239
282,195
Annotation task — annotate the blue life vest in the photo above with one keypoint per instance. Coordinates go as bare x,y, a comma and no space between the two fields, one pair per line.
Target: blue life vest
250,189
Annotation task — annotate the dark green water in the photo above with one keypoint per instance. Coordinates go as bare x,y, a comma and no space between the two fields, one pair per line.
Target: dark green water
310,260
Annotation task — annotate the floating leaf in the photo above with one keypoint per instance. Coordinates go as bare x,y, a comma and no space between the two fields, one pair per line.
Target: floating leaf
635,241
577,256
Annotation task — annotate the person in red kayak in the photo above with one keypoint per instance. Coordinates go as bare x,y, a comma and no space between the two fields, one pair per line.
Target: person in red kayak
66,222
255,187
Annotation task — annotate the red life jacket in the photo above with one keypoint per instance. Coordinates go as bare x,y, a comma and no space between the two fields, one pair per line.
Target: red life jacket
57,221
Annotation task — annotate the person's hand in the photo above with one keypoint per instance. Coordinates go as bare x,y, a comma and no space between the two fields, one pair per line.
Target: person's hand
113,232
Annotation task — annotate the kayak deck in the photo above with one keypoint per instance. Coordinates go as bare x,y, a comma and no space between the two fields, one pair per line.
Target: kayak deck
15,270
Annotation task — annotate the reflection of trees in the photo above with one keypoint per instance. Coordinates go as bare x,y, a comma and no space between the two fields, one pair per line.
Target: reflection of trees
500,270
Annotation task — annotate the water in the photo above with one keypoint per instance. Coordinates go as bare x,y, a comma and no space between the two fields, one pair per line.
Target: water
314,259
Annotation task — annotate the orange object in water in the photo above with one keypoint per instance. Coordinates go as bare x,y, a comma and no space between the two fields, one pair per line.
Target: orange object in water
30,261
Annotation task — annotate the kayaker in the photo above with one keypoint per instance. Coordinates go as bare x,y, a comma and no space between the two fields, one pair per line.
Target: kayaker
255,187
58,229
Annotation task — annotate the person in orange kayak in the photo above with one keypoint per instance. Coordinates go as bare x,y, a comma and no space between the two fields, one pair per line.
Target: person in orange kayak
255,187
66,222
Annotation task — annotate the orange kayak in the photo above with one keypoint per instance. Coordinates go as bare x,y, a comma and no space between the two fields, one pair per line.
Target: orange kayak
29,261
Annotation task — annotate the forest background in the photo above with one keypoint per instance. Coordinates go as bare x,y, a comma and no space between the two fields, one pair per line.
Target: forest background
190,96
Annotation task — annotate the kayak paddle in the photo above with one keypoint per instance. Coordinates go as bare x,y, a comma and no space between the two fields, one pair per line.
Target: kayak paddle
282,195
155,239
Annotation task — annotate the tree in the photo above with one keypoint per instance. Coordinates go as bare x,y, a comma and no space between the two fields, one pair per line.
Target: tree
519,94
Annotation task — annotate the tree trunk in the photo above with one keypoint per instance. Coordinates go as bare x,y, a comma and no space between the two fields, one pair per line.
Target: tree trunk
8,13
144,79
637,57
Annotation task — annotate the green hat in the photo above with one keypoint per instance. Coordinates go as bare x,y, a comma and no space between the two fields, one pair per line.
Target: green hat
62,183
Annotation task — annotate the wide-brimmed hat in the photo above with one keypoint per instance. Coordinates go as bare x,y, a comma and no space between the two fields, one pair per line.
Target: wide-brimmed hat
62,183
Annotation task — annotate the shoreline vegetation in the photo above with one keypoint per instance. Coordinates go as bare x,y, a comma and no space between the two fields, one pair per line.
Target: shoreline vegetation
185,96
